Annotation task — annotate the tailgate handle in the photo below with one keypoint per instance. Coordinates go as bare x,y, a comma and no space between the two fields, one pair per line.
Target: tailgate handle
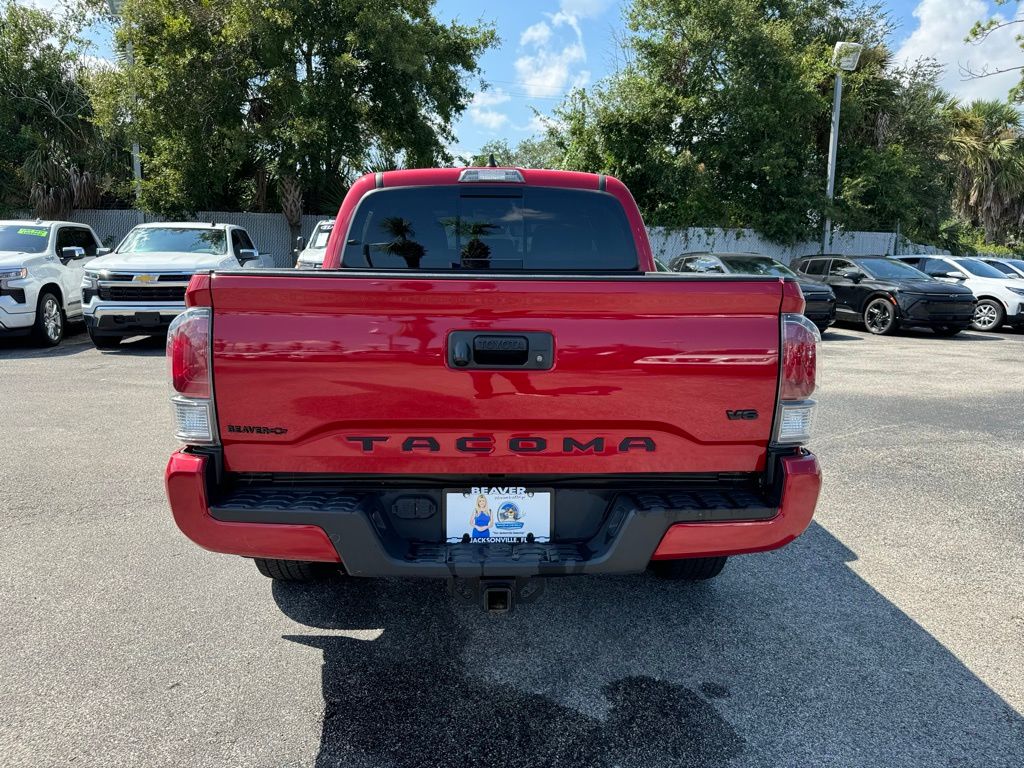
528,350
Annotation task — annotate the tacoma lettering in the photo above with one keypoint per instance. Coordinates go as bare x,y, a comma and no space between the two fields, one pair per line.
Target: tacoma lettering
521,444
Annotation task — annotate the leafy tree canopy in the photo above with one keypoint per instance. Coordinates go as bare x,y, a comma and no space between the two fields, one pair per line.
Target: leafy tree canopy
226,94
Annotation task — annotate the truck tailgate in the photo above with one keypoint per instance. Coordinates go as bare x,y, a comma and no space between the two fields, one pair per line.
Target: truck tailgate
351,373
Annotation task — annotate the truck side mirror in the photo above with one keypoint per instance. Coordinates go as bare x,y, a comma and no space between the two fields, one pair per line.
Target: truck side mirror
102,251
245,255
71,252
300,243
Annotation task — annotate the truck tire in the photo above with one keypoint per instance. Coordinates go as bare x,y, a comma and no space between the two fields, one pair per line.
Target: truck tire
48,329
295,570
104,342
690,569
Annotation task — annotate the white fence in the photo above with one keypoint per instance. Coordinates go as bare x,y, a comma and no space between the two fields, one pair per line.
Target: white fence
270,233
668,243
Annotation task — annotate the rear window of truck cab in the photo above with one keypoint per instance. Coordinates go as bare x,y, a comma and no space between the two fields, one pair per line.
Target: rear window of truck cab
505,229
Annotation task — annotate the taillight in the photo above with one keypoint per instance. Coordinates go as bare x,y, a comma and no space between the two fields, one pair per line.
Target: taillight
188,358
797,379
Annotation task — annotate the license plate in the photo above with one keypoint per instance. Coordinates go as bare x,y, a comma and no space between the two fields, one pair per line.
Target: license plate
487,514
147,318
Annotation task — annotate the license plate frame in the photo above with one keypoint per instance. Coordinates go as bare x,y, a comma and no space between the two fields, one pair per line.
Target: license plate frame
518,514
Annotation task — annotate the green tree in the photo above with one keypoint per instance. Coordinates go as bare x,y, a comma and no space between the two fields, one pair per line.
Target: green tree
52,157
534,152
232,94
988,151
714,122
894,170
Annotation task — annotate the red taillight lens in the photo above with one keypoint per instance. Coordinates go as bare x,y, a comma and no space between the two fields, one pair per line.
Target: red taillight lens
800,340
188,353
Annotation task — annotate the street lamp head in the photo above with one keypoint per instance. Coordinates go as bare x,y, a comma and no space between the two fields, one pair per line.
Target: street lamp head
846,55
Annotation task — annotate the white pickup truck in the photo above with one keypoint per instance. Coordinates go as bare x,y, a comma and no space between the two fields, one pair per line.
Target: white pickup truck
41,267
139,288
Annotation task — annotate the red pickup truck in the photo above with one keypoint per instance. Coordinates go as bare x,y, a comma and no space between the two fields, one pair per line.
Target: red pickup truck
489,382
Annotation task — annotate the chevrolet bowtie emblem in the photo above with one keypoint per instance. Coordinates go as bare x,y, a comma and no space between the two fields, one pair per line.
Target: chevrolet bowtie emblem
145,278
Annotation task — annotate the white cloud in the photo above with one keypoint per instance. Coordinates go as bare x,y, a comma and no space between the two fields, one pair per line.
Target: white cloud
536,34
480,111
490,98
548,66
583,9
488,118
942,26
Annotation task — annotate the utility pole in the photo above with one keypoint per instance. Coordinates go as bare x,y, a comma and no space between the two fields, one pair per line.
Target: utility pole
845,56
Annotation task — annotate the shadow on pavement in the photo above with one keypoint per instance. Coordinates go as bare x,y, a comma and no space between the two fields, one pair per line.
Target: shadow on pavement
25,348
788,658
831,335
141,346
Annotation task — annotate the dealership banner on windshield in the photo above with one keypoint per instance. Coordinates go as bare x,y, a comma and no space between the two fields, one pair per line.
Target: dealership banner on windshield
487,514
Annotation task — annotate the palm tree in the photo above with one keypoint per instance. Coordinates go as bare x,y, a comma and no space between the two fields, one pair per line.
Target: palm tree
987,148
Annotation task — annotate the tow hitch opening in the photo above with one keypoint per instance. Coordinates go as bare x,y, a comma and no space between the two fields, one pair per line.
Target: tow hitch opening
498,598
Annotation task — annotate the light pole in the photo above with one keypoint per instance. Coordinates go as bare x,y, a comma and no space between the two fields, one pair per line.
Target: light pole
845,56
115,11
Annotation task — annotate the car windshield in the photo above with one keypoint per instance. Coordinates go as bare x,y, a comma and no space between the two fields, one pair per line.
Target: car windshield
319,239
979,268
23,238
1018,263
890,268
175,240
752,265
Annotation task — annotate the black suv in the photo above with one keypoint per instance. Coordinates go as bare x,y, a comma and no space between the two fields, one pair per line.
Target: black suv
885,294
820,302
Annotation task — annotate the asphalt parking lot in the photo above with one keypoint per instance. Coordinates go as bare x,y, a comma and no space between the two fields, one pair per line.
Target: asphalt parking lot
890,634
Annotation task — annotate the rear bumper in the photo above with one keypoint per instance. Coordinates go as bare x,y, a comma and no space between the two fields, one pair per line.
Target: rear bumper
348,529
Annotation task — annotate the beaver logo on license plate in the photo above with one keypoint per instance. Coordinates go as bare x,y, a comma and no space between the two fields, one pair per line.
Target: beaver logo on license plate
486,514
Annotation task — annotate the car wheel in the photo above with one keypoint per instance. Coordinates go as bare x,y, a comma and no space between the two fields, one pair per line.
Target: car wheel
690,569
947,330
988,315
49,326
296,570
104,342
880,317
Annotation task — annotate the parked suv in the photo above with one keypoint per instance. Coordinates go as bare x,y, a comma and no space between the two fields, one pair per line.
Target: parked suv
885,294
140,287
1000,298
1010,267
311,255
41,266
820,301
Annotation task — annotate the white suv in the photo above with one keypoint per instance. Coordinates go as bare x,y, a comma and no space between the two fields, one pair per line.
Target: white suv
312,255
140,287
41,267
1000,299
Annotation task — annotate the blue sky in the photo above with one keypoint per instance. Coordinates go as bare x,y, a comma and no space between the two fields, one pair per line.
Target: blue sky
549,46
